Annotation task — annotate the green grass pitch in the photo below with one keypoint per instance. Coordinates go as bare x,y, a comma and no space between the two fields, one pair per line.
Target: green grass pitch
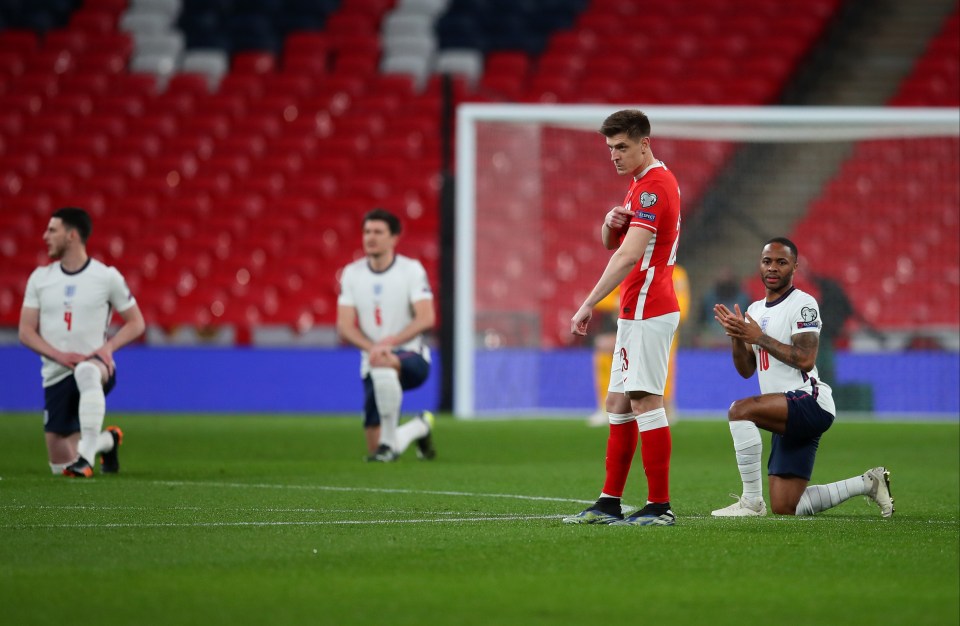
276,520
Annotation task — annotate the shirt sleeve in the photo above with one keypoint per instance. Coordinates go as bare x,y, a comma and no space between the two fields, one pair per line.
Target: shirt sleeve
346,293
31,296
651,203
419,284
806,317
120,296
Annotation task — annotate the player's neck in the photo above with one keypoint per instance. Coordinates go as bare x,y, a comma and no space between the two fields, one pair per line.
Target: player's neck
73,260
773,296
380,262
645,165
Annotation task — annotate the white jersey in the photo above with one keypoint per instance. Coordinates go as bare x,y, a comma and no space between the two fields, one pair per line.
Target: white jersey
384,300
75,309
793,313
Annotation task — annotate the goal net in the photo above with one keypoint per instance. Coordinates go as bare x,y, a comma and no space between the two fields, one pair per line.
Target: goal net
871,196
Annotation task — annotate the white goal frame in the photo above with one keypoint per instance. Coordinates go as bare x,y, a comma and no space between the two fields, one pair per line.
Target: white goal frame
732,123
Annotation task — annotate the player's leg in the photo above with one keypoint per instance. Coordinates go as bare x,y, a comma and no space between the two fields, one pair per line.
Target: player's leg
770,412
388,394
669,390
371,418
621,447
792,457
414,370
90,376
647,363
603,348
61,450
874,484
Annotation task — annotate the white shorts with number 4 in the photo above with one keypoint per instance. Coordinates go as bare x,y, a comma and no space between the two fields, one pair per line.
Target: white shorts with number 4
642,354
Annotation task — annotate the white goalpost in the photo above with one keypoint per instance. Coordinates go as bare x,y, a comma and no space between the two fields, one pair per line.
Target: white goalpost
534,181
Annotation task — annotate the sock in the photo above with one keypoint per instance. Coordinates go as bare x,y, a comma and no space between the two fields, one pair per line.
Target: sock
818,498
104,442
602,362
388,395
655,448
57,468
93,406
609,504
409,432
748,447
621,446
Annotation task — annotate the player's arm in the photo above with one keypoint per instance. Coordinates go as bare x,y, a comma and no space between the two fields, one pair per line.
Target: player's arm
613,224
424,318
733,323
28,332
801,353
133,326
348,330
621,262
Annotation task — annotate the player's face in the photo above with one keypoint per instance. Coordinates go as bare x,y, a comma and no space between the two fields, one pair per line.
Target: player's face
377,239
627,155
56,237
777,265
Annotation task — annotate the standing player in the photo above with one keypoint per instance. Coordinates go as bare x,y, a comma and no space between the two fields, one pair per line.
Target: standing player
644,233
778,338
385,305
66,312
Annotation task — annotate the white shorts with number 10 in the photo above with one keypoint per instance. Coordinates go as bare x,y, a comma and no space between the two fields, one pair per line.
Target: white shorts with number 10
642,354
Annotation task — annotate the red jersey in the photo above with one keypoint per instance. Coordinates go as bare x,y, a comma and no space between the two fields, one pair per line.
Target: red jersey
654,198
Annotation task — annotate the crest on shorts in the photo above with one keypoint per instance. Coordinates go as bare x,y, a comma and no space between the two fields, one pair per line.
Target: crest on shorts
648,199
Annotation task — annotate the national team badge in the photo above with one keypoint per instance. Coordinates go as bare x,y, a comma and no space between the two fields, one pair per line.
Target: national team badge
648,199
70,291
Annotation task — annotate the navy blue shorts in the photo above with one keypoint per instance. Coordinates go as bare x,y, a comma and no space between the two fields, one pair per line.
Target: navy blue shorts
793,453
414,370
61,405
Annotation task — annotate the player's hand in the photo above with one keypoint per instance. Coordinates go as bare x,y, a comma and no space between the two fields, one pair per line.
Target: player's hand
69,359
580,321
737,325
105,354
617,218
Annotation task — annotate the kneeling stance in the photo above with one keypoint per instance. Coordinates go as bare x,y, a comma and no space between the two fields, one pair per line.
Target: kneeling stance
778,338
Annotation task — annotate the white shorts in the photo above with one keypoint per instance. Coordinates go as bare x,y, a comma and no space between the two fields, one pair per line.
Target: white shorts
642,354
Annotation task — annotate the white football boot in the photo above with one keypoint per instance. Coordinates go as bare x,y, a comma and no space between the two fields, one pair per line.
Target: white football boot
742,508
878,480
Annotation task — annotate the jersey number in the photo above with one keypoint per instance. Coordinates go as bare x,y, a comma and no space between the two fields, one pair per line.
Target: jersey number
68,318
764,357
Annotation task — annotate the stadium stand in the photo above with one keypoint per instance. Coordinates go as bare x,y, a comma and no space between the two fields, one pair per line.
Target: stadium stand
228,147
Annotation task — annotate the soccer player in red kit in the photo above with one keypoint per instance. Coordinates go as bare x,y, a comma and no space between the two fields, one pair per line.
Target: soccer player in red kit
643,233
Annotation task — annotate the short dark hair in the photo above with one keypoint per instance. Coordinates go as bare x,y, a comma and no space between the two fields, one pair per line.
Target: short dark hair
383,215
783,241
76,219
633,122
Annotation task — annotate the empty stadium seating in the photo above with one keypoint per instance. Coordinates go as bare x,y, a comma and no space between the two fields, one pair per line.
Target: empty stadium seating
229,147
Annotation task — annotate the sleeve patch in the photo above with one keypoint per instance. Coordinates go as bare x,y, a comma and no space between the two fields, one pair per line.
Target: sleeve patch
648,199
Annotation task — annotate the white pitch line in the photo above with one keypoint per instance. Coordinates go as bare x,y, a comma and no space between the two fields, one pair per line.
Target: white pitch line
456,520
176,483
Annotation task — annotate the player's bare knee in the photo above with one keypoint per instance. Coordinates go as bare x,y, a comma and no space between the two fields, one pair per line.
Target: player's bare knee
738,411
781,508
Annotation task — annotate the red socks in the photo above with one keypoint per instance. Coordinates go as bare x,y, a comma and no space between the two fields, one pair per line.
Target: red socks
655,448
621,446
